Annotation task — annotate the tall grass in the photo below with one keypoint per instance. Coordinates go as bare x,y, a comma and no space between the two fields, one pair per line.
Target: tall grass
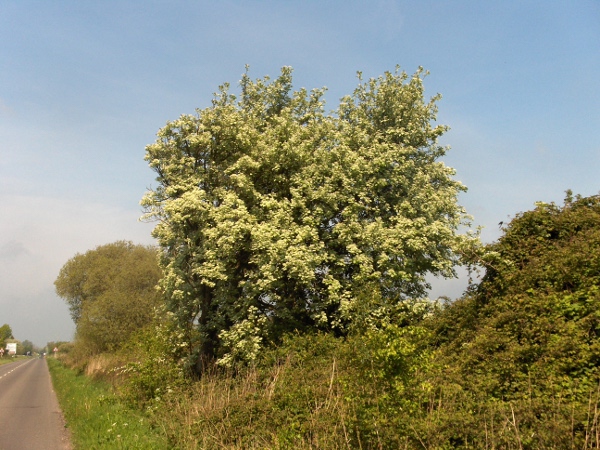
311,394
294,401
96,418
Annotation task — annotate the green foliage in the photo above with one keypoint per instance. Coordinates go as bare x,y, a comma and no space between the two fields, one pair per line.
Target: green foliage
26,346
537,308
291,398
111,292
311,391
64,348
550,249
527,336
273,215
372,312
153,365
5,333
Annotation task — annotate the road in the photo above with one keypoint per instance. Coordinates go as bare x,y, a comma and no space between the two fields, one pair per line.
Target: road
30,418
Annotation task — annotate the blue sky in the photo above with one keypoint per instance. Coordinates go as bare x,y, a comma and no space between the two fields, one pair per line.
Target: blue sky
85,86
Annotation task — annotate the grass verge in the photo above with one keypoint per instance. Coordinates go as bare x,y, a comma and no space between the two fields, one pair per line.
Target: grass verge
10,359
96,418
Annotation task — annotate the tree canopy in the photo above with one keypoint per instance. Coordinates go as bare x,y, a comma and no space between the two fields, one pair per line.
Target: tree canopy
111,292
5,333
272,214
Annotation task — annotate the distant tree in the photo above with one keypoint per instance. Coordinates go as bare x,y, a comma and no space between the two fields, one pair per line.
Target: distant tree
5,333
273,214
26,346
111,292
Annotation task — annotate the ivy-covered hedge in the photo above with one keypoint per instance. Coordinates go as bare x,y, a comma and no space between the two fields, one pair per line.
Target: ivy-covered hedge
527,337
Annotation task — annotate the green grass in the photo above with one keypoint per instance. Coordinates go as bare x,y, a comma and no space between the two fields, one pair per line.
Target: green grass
96,418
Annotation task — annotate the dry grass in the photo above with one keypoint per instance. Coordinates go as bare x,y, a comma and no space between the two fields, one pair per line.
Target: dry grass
257,408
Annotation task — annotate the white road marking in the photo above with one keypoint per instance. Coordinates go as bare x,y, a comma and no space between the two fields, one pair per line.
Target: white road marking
11,371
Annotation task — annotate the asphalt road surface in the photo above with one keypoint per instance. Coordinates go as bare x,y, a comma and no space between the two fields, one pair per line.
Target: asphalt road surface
30,418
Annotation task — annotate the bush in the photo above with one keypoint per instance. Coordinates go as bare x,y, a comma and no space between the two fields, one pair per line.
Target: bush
152,367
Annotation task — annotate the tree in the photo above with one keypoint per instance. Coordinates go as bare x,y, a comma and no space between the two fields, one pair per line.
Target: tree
5,333
26,346
272,214
111,292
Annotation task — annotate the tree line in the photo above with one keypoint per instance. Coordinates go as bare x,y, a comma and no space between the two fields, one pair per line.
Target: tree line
23,347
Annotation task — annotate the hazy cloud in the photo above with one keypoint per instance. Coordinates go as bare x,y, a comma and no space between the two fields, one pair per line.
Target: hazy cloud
12,250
